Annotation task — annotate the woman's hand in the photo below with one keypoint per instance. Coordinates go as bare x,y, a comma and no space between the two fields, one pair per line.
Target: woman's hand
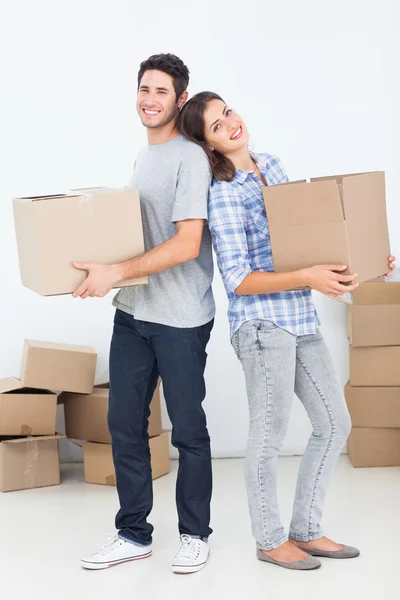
325,279
391,265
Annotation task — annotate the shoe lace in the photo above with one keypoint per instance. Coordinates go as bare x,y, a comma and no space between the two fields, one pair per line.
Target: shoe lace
109,544
190,547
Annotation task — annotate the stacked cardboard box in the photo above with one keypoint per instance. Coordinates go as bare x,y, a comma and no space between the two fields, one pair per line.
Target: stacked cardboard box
86,420
29,455
373,392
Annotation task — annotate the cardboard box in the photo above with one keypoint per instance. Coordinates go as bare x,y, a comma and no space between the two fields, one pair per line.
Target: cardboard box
374,447
373,406
99,466
29,462
61,367
374,317
24,411
375,367
331,220
86,416
100,225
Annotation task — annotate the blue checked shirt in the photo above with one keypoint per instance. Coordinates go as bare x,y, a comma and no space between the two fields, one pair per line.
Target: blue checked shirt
239,228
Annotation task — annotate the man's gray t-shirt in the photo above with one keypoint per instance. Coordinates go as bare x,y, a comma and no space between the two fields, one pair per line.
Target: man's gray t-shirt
173,181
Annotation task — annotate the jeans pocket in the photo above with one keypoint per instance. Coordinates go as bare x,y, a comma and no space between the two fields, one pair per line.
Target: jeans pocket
265,325
122,317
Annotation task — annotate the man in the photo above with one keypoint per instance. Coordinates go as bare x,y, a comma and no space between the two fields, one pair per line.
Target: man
161,329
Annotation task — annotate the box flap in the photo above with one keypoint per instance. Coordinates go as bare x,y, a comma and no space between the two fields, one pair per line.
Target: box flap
340,181
44,197
366,223
95,190
9,385
48,197
103,386
60,346
292,182
377,293
36,438
301,204
339,178
365,186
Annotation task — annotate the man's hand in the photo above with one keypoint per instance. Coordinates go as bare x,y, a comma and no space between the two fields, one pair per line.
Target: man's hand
391,264
100,280
324,279
182,247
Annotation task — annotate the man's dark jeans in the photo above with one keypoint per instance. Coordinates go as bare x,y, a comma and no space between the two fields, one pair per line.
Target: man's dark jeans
140,353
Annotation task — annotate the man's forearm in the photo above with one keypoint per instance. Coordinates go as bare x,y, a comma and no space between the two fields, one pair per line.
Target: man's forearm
164,256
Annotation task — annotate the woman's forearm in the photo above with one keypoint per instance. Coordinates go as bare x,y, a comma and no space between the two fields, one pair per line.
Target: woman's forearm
261,282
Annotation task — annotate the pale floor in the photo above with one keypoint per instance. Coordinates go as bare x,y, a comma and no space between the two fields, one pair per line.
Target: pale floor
43,534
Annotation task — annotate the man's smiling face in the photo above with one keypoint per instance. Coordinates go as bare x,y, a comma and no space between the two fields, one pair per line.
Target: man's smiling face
156,99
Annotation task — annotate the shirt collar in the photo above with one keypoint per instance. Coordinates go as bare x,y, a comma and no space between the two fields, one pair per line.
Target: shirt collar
241,176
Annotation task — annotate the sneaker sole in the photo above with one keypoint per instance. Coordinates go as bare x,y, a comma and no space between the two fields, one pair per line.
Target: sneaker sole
98,566
186,569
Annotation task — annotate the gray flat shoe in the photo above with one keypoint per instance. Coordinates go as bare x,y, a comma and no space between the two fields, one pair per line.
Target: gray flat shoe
346,552
306,564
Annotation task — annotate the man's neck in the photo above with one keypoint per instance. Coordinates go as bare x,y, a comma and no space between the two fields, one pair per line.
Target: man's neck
242,160
162,135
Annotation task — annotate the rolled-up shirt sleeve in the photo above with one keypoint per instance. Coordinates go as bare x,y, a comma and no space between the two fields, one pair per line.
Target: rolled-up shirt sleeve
228,221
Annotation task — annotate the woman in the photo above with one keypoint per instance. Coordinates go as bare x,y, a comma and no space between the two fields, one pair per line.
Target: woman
275,334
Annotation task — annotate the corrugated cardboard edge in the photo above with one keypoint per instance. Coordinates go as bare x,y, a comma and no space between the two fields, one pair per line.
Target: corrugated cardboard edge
36,438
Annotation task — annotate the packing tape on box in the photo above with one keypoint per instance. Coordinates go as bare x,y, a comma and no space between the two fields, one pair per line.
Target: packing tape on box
30,469
110,480
86,206
26,430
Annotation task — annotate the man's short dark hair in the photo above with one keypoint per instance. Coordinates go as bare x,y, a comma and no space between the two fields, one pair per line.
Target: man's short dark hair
170,64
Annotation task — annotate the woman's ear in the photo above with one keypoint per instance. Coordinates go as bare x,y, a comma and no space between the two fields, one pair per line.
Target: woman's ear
210,148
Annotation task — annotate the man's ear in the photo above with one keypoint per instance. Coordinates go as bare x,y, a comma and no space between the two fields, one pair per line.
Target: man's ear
183,99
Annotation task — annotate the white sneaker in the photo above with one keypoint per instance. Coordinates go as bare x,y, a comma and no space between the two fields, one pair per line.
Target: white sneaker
192,556
116,552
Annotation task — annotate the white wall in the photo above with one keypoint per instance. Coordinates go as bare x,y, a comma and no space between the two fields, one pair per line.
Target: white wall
315,80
